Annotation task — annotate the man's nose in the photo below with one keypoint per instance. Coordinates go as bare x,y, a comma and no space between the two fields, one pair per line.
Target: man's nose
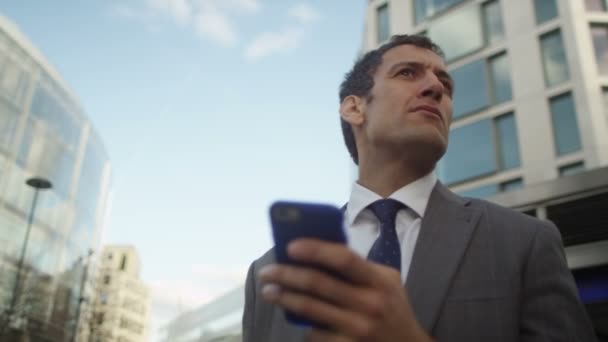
432,87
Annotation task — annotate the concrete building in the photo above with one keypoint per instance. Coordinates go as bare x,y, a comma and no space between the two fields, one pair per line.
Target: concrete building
530,121
217,321
531,85
44,133
121,306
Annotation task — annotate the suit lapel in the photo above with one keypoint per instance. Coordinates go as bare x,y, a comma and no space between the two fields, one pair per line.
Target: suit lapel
446,228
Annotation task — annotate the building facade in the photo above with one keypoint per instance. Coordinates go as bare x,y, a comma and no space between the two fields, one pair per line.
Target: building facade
531,85
217,321
45,133
530,120
120,310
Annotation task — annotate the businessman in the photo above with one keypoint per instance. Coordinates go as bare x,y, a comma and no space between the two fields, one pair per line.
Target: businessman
423,264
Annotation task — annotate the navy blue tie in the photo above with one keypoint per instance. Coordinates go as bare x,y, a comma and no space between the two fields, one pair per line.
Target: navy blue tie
387,249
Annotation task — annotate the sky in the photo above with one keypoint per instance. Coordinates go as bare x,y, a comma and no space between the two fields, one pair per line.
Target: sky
210,110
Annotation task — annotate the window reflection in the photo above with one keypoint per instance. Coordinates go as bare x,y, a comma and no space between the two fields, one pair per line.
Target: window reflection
555,63
599,35
508,145
485,85
501,78
473,96
8,125
481,191
458,33
382,17
428,8
470,153
565,127
492,20
545,10
596,5
480,149
571,169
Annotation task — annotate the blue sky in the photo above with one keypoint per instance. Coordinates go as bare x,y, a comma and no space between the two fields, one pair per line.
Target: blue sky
210,110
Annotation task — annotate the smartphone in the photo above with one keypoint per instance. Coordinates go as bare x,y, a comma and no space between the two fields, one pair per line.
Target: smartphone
293,220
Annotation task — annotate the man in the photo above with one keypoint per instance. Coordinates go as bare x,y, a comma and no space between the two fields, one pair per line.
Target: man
437,266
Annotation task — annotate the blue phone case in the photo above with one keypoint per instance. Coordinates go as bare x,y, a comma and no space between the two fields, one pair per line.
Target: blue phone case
292,220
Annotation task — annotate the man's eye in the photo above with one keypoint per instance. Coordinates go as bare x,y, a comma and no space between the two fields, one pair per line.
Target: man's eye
407,72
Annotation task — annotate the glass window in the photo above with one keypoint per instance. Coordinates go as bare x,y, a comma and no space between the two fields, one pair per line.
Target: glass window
420,11
8,125
383,23
599,35
13,79
492,21
572,169
470,153
26,143
480,192
458,33
89,186
508,145
555,62
545,10
565,127
605,91
427,8
501,78
512,185
47,107
473,96
596,5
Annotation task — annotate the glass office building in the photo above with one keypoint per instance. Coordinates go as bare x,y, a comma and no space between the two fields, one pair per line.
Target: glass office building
44,133
216,321
530,120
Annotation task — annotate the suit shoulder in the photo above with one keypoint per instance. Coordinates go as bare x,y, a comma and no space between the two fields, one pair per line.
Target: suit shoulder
265,259
516,219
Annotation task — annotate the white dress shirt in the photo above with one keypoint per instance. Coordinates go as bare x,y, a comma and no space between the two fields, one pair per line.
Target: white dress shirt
363,228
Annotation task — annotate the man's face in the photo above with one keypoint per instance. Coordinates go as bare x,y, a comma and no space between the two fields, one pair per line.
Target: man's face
410,104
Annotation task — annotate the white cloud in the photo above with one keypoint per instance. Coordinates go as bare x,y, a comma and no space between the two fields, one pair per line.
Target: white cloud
304,13
181,10
124,11
214,25
252,6
270,43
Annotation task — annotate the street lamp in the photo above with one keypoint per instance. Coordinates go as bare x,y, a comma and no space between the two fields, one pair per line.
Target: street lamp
81,298
38,184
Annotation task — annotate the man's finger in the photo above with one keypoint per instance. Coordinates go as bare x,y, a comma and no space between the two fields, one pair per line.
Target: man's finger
324,286
339,258
337,319
318,335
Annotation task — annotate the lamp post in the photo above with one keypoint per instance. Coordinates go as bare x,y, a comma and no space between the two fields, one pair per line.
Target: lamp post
38,184
81,297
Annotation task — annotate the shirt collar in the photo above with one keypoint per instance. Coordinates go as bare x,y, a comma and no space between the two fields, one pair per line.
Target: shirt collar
414,195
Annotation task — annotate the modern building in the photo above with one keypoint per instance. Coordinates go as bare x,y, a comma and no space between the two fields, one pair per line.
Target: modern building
530,120
531,85
120,310
44,133
216,321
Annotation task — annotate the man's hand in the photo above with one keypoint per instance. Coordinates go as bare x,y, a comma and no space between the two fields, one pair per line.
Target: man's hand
371,305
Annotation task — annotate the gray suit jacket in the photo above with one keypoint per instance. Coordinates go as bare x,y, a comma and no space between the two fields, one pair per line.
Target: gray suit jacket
480,272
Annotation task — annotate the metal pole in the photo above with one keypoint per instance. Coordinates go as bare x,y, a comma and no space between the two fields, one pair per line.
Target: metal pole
81,298
30,220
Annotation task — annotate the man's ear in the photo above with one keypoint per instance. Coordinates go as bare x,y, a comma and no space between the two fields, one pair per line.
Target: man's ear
352,110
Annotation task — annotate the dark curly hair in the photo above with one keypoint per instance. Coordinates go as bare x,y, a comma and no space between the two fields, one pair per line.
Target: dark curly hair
359,81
